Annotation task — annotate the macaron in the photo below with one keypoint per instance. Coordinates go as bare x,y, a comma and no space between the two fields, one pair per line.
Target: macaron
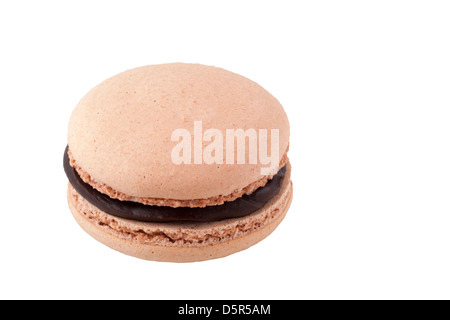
178,162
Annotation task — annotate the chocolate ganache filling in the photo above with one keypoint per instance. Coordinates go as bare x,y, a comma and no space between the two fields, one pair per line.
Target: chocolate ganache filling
240,207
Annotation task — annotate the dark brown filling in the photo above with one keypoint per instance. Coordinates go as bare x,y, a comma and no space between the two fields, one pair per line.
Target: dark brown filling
136,211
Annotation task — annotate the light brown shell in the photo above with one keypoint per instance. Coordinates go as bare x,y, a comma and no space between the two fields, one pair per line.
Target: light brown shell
120,132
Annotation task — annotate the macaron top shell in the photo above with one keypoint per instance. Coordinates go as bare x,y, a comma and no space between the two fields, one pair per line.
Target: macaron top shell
120,132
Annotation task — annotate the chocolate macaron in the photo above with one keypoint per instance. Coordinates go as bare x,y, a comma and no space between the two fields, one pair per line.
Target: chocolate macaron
178,162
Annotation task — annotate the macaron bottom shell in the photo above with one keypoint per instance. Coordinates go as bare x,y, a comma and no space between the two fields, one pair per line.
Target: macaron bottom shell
181,242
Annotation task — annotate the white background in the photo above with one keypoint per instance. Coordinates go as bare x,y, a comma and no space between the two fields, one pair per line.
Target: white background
366,86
